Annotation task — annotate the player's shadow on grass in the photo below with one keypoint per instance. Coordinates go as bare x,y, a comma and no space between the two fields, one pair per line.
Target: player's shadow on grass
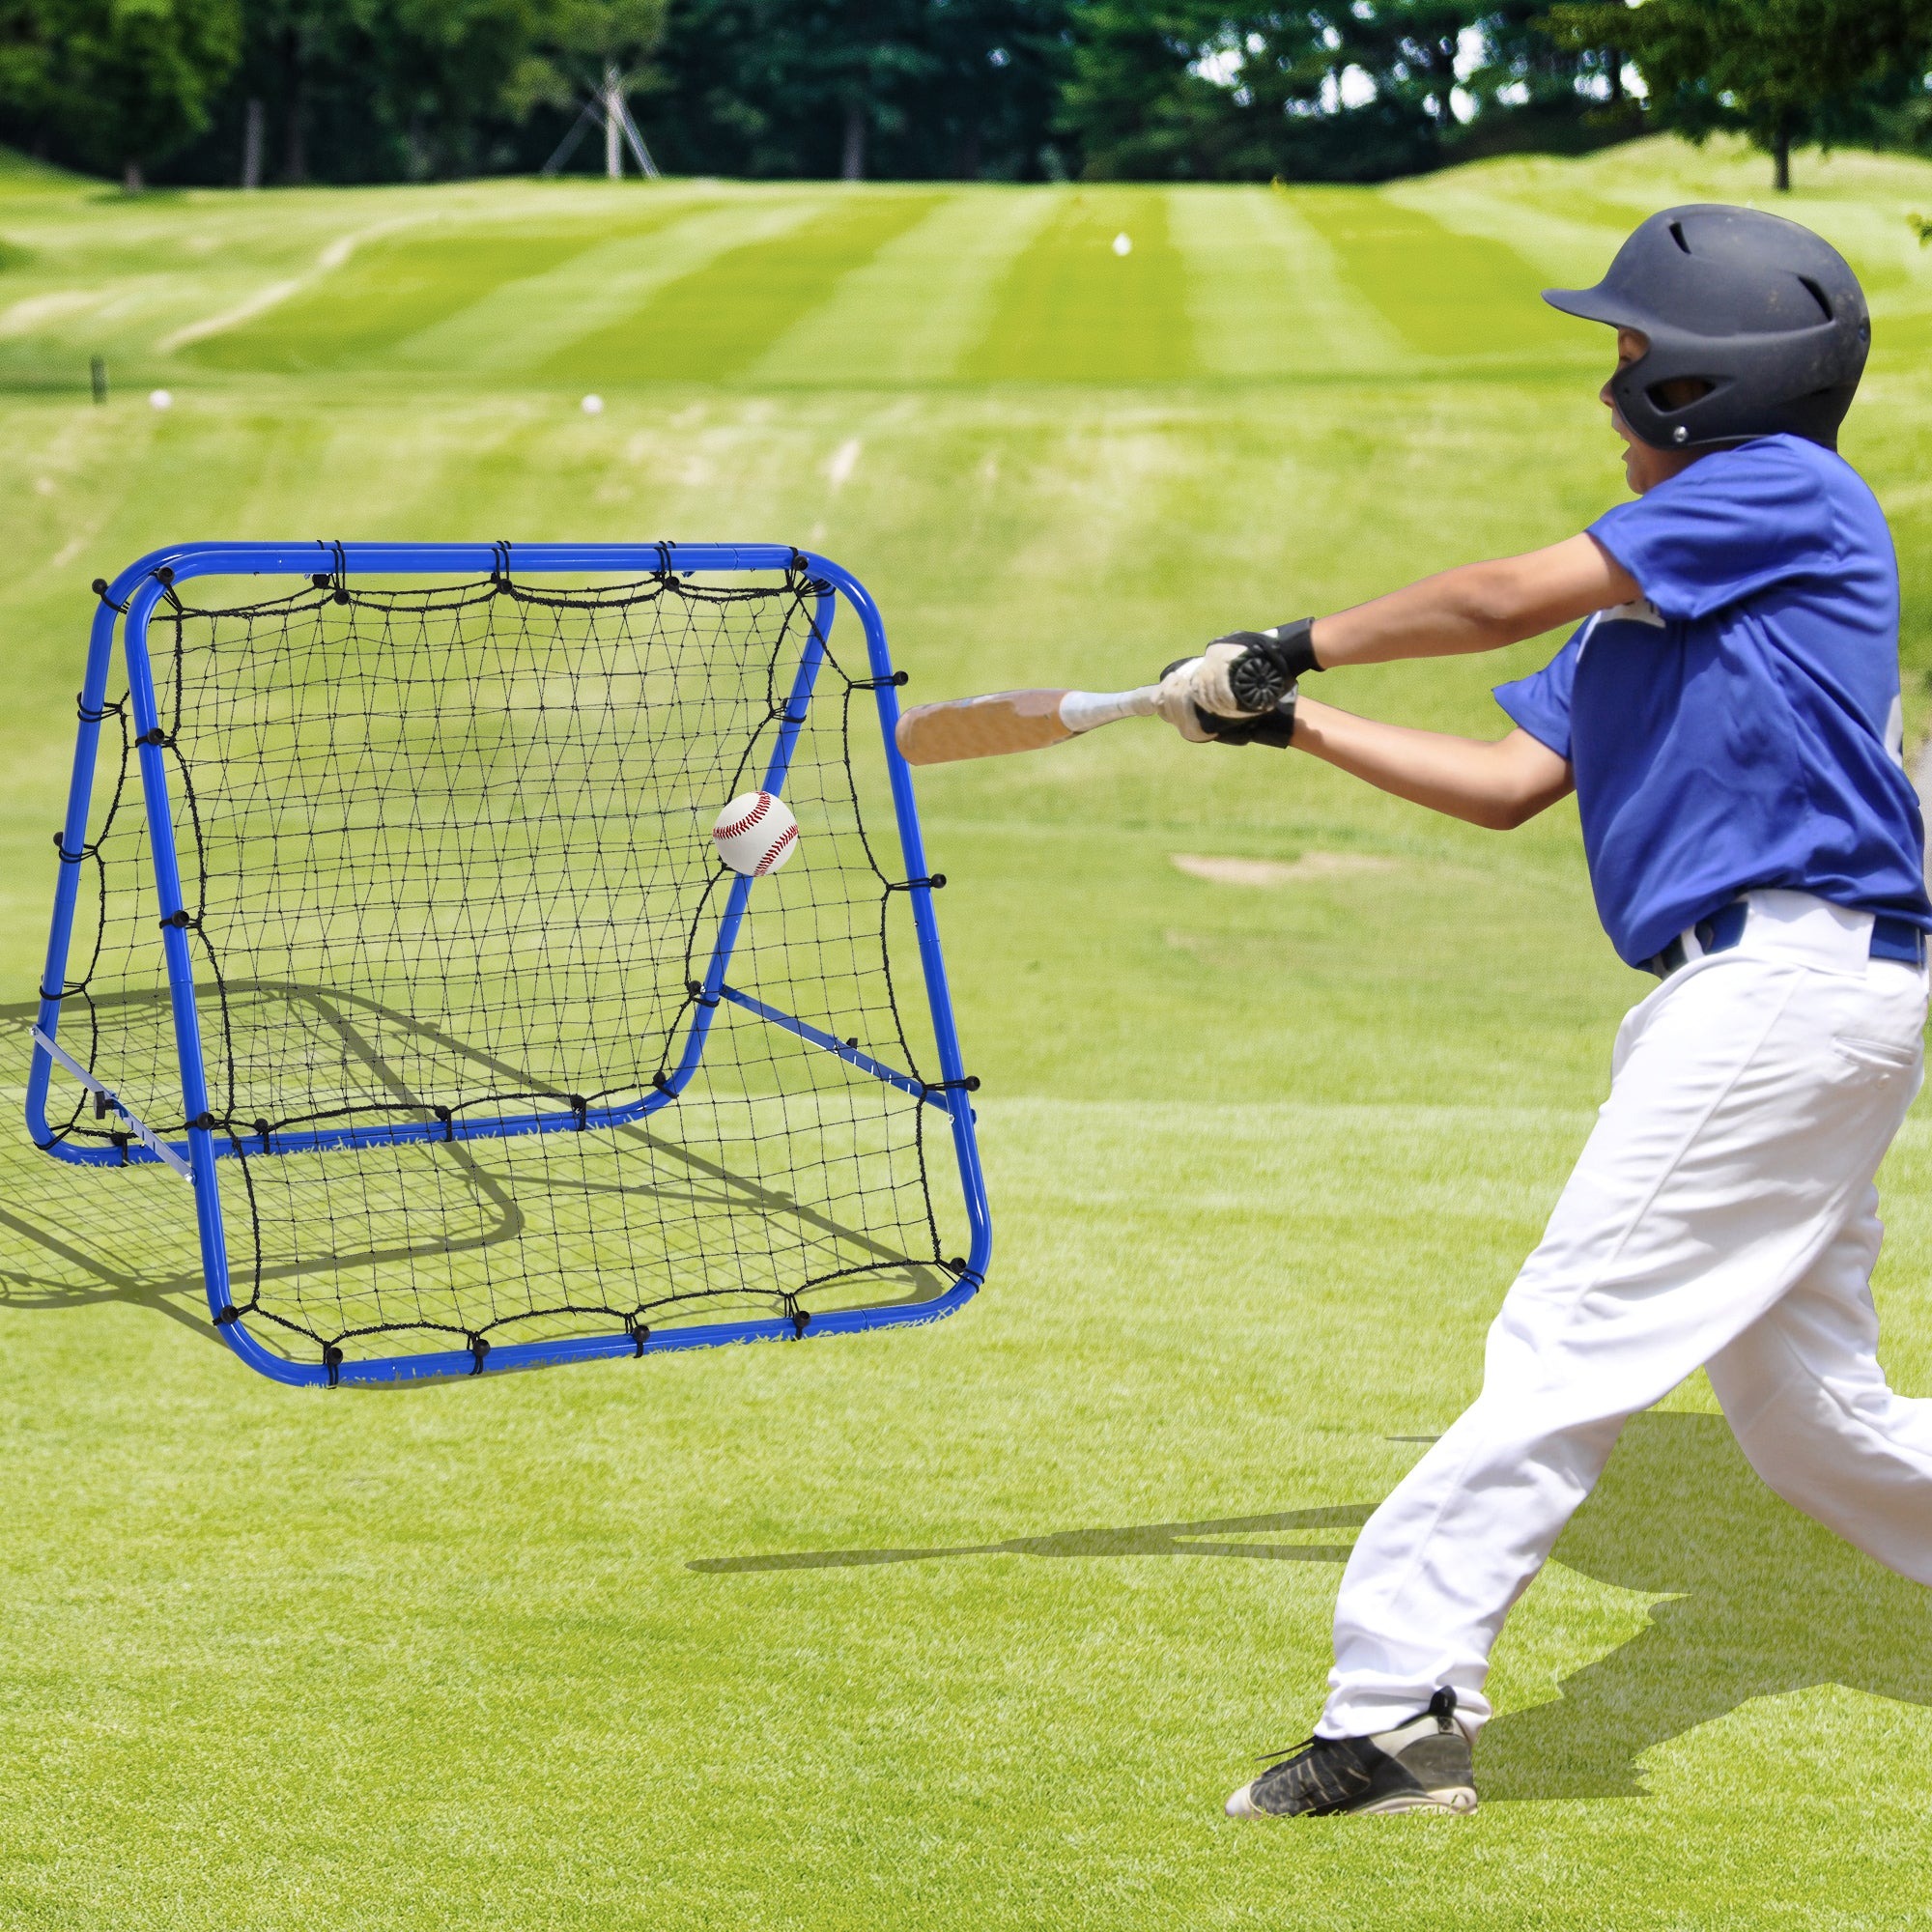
1761,1602
1758,1601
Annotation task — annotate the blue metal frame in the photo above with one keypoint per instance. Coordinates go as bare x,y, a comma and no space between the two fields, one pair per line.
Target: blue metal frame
141,586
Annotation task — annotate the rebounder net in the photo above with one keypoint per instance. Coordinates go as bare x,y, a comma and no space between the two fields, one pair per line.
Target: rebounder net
495,1049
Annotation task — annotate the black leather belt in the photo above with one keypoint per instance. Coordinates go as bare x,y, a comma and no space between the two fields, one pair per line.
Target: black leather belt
1891,939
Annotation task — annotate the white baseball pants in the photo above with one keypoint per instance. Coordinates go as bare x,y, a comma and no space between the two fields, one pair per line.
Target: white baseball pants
1722,1214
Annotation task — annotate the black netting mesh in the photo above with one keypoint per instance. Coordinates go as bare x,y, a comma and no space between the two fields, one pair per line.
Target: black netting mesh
446,861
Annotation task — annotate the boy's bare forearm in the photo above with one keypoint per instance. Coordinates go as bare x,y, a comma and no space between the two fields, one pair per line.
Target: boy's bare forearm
1498,785
1479,607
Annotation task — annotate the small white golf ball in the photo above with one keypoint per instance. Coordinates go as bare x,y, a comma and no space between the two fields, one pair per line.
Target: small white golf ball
1123,243
593,406
161,399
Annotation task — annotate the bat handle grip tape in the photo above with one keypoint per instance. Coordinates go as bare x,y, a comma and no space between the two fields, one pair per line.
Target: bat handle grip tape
1084,710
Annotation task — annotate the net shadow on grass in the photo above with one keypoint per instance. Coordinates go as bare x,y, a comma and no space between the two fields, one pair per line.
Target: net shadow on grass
64,1246
1150,1539
76,1236
1761,1602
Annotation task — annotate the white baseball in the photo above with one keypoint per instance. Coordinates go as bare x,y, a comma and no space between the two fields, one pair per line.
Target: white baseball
754,834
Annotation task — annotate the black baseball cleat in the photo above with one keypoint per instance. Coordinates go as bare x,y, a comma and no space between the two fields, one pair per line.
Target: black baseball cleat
1420,1766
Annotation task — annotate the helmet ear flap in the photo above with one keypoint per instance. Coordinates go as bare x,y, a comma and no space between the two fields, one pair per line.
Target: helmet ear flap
1659,395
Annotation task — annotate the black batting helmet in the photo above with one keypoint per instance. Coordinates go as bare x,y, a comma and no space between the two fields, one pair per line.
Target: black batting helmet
1766,313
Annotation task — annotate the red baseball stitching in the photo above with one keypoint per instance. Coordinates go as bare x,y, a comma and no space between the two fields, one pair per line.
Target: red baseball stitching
770,859
749,819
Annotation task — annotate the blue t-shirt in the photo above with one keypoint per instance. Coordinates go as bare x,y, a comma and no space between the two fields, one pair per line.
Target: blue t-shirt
1740,726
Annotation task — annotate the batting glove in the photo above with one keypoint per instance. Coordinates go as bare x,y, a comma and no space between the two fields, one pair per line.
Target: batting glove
1173,700
1249,672
1208,681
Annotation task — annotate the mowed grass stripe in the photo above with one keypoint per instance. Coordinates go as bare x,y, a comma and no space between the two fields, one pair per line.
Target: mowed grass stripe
1448,293
1074,311
1566,242
714,324
385,292
517,330
400,286
1265,292
910,313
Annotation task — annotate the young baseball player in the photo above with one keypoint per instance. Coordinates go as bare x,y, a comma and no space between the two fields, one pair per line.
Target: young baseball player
1728,716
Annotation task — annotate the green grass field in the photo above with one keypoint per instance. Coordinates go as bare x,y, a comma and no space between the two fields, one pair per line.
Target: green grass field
972,1626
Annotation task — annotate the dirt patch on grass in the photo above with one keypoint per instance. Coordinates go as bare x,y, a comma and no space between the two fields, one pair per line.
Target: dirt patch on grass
1310,866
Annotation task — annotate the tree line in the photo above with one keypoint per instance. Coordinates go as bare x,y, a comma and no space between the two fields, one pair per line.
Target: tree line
286,91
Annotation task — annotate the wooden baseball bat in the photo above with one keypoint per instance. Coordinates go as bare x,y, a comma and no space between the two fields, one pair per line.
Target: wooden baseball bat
1011,720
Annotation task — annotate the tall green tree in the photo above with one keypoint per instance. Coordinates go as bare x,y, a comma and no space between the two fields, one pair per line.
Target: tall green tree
387,90
574,44
912,89
1187,89
988,106
805,87
1528,91
121,85
1782,71
1342,89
